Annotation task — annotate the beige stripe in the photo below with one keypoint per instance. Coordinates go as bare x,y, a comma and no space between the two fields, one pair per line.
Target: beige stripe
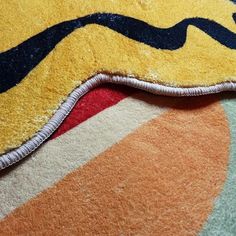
66,153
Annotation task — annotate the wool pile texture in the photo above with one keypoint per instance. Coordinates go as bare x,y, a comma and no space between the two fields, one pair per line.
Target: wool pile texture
125,162
102,127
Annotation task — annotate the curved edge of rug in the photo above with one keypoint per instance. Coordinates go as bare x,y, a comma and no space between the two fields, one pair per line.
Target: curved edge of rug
15,155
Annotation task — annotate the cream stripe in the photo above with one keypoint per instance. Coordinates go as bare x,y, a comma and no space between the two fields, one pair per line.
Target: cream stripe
73,149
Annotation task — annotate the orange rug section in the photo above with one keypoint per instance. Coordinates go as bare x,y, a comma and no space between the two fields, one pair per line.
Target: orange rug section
161,179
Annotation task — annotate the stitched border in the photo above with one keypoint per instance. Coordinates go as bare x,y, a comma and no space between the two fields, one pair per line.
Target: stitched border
29,146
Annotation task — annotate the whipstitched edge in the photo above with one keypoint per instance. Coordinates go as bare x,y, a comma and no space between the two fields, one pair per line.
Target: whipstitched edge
29,146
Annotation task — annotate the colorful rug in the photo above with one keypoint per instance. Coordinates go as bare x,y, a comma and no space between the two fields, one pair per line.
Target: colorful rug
53,52
125,162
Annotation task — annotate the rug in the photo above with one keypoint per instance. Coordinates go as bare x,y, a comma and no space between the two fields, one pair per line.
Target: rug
53,52
125,162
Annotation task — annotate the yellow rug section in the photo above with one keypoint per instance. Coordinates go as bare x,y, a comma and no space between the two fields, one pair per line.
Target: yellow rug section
25,108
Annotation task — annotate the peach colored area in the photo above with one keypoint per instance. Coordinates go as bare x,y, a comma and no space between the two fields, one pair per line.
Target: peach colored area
160,180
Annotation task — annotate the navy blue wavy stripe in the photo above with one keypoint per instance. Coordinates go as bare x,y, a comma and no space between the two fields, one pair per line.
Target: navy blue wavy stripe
17,62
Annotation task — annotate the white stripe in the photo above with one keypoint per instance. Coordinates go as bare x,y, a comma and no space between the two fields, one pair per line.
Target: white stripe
60,156
28,147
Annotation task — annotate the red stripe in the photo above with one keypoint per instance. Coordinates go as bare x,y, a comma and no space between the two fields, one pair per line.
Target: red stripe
92,103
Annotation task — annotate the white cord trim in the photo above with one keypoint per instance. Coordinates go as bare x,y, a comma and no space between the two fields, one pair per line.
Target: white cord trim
29,146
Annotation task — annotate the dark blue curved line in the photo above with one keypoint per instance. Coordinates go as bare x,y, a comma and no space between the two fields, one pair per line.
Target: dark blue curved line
17,62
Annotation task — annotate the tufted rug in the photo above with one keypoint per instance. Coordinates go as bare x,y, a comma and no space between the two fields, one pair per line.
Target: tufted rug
54,52
131,164
102,127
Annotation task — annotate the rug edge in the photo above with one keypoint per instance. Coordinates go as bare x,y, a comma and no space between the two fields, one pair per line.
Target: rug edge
17,154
